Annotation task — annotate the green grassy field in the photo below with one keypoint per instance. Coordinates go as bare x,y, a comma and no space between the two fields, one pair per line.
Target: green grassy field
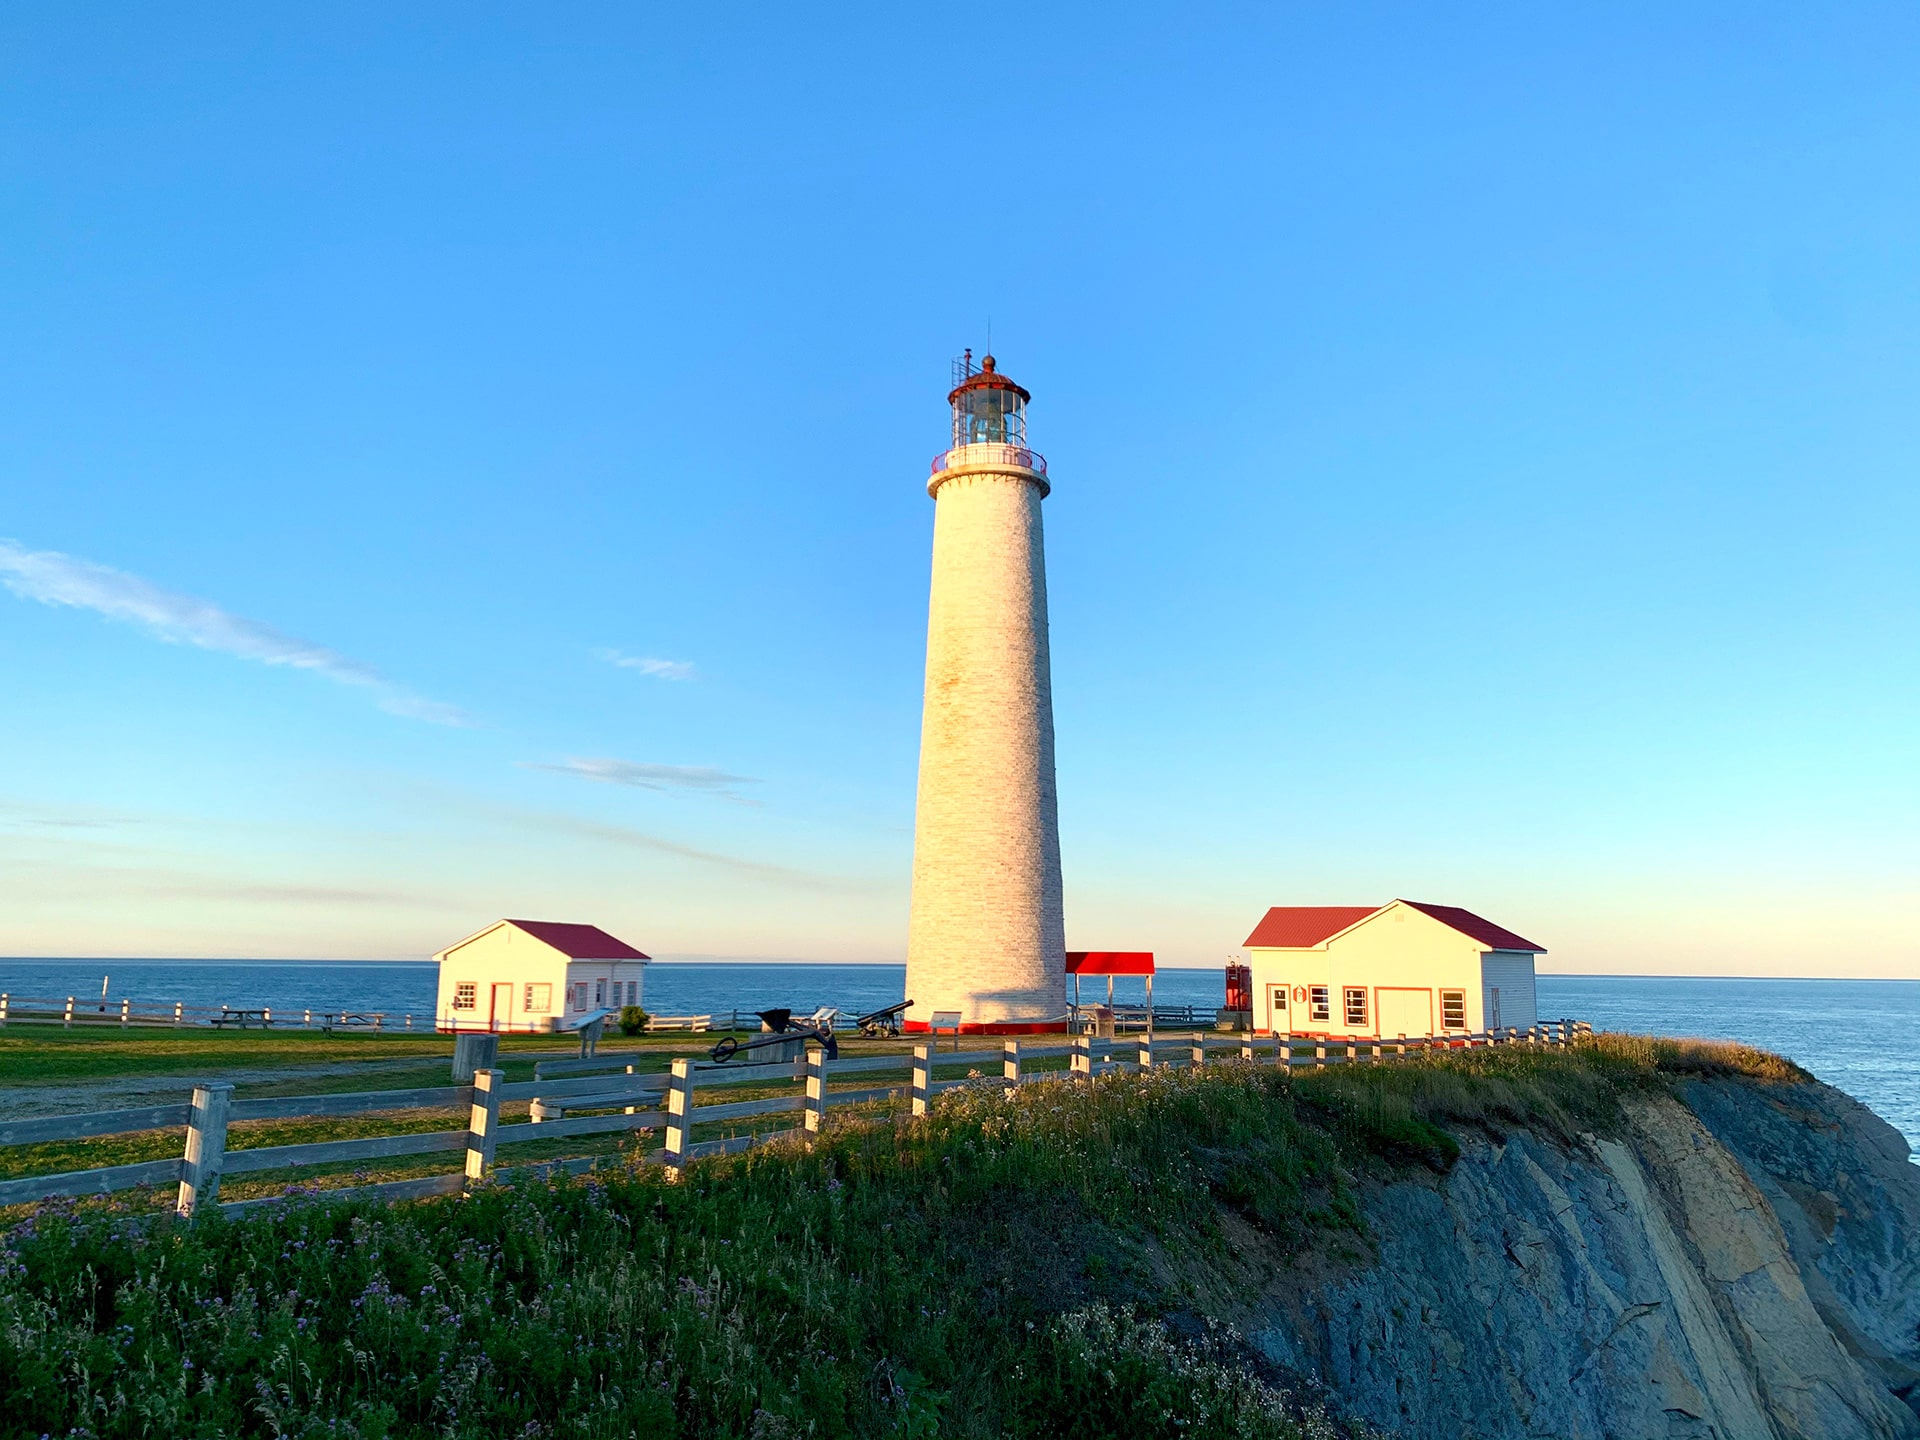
998,1269
36,1056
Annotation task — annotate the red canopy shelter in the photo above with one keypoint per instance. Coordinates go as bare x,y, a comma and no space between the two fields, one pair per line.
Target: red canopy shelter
1110,963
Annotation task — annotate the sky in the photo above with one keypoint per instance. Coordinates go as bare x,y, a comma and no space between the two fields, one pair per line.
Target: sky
464,461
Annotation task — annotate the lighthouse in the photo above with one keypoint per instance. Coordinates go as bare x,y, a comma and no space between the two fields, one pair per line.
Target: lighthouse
986,938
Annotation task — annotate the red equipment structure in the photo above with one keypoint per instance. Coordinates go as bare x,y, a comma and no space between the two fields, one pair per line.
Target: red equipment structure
1110,963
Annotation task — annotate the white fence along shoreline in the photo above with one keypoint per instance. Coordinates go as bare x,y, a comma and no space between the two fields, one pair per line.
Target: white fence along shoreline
667,1103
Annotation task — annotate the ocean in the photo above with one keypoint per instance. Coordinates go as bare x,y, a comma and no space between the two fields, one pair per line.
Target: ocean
1854,1034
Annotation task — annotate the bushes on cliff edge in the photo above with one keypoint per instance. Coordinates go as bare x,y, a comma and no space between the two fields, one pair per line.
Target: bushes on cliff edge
906,1280
987,1271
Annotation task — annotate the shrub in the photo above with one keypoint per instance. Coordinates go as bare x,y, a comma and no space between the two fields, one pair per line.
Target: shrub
633,1020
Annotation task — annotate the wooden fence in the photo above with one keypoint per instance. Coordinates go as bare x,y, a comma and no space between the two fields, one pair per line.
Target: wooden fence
669,1103
70,1010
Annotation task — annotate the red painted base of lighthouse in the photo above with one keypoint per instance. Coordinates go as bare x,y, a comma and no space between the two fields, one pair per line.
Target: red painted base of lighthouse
994,1027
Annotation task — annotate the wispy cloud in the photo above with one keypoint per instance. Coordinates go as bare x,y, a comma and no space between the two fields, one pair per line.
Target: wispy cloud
623,836
55,579
647,665
703,778
21,813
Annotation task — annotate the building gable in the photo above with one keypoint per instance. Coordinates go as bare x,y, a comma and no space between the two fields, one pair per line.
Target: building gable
1309,927
559,939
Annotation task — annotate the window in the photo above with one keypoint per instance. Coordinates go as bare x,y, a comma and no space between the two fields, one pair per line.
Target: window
1318,1006
538,999
633,992
1356,998
1453,1009
599,992
466,995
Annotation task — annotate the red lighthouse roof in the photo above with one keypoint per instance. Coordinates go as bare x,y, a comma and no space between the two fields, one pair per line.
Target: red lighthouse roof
987,378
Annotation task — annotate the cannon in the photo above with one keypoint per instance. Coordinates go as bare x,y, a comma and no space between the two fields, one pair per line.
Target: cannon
781,1030
884,1022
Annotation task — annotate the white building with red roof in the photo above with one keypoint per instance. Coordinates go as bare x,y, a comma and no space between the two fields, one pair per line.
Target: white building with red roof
1380,972
535,975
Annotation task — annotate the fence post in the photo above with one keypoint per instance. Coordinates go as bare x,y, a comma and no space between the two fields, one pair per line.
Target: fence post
474,1051
483,1122
679,1116
206,1147
68,1021
816,1116
1080,1063
1246,1047
922,1077
3,1007
179,1008
1010,1064
1146,1053
1376,1052
1320,1054
126,1008
1199,1050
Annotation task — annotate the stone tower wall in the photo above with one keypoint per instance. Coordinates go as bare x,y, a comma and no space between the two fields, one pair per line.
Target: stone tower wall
986,936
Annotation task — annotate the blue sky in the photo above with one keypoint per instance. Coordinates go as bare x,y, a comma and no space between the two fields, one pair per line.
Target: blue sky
470,462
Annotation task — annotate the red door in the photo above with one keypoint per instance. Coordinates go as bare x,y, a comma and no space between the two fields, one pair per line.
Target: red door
502,1016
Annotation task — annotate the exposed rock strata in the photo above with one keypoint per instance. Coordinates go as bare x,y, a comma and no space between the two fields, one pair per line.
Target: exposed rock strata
1747,1269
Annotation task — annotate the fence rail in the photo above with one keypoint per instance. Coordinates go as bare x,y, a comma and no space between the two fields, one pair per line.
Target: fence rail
668,1103
70,1010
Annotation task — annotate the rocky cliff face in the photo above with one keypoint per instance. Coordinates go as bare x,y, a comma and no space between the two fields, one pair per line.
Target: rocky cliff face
1743,1266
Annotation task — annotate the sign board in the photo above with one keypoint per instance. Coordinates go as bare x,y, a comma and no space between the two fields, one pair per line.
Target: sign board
946,1020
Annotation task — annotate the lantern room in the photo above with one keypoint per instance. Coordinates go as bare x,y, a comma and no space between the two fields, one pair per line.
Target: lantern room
988,408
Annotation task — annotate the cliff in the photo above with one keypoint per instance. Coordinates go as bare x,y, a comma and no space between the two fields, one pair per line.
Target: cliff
1634,1239
1741,1262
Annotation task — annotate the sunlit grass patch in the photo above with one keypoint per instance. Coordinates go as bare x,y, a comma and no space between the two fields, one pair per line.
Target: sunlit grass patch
1685,1056
994,1269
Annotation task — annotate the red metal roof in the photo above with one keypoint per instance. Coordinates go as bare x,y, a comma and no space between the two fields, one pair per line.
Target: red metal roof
1293,927
987,377
1475,928
1109,962
579,942
1296,927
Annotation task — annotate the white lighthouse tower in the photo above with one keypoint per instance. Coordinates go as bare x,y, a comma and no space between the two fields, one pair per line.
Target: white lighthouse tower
986,938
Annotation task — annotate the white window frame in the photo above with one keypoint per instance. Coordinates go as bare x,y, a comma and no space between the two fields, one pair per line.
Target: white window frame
1320,1004
1348,1005
466,995
1449,1000
537,998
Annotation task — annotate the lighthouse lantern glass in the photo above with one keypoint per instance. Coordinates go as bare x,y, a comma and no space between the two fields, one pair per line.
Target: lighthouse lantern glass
989,415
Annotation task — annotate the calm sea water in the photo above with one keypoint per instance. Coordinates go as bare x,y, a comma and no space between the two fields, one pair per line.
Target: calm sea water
1856,1034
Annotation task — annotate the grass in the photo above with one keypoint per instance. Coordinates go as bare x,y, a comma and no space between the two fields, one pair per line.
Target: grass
44,1054
37,1054
998,1269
